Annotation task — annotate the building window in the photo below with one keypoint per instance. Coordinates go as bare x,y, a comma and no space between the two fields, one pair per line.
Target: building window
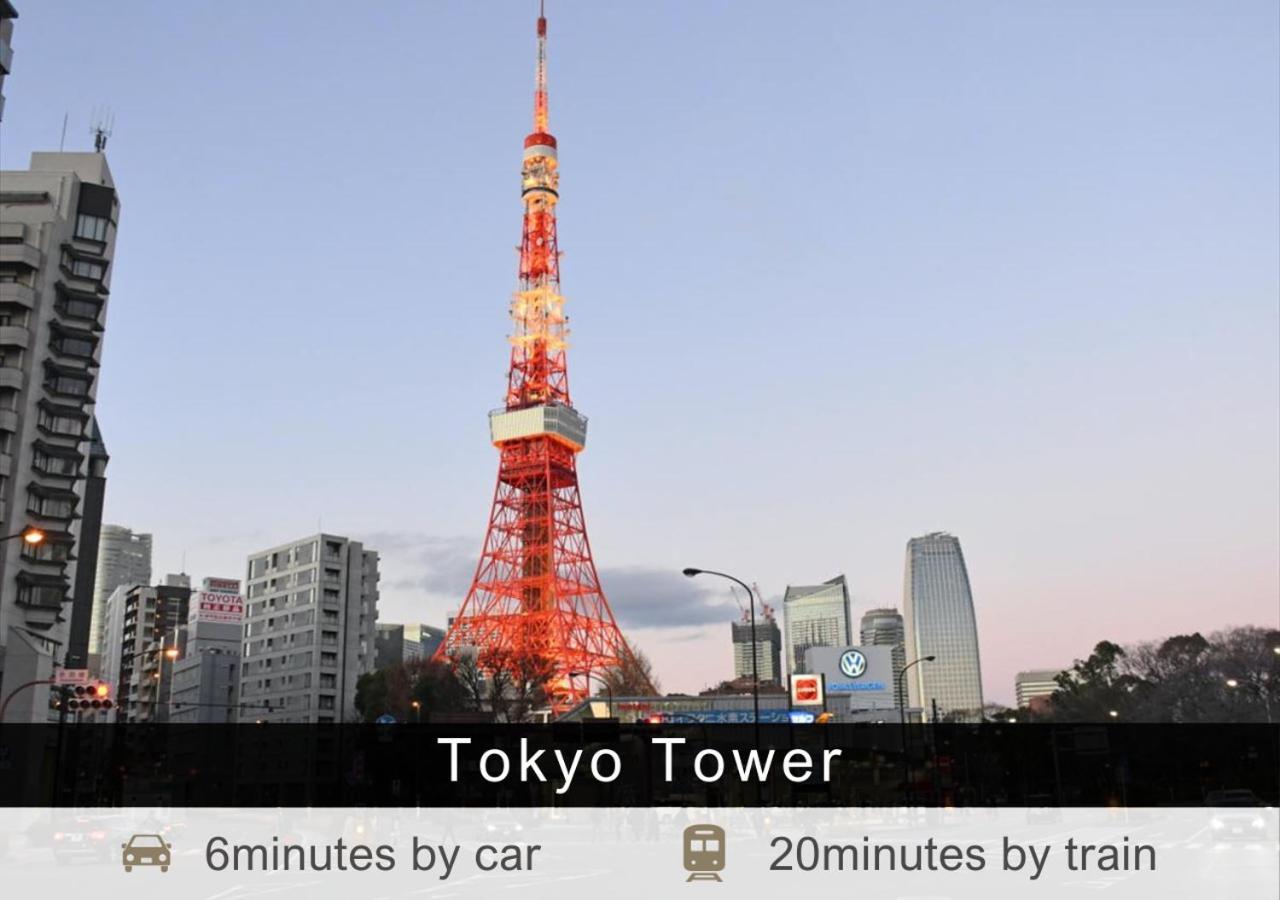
68,384
68,425
85,268
56,507
56,464
47,551
79,307
41,595
68,344
91,228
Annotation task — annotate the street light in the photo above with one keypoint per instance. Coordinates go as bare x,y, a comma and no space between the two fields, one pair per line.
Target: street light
1232,683
906,767
608,688
755,647
1113,714
30,535
417,712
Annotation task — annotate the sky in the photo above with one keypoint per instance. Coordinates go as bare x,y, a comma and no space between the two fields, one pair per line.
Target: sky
839,274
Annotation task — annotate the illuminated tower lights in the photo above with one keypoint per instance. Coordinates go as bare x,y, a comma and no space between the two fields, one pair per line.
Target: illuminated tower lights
535,607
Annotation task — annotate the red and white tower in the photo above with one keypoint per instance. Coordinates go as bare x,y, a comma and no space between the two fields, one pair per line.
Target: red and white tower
535,604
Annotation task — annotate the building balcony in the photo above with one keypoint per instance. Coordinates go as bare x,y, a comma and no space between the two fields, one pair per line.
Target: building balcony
20,294
12,377
15,336
8,420
20,255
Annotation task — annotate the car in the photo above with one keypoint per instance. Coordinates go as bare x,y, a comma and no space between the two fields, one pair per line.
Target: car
1238,816
145,850
85,837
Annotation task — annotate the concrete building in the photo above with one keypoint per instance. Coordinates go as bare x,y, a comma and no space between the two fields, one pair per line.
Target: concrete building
82,593
390,647
139,649
768,648
816,616
396,644
309,630
7,15
1033,687
429,639
57,239
884,628
940,621
124,558
206,674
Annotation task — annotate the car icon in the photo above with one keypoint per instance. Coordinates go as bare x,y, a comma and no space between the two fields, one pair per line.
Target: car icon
146,850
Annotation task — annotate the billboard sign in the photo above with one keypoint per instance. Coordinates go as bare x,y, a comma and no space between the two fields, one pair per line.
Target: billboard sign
219,601
863,674
806,690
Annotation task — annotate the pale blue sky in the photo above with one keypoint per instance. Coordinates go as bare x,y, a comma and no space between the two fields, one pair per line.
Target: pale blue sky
839,274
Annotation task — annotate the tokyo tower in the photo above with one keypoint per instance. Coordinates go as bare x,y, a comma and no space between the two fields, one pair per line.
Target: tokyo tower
535,604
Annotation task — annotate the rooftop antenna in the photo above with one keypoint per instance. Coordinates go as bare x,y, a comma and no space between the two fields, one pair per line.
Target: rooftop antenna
101,129
62,142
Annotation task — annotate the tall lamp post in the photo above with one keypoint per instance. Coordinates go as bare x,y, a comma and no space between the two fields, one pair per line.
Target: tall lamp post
755,647
608,688
906,766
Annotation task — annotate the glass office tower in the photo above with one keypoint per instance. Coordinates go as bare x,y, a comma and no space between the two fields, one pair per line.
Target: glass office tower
938,613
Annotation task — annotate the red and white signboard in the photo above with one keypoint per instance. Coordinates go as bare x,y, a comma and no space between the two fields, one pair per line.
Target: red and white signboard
71,676
220,601
806,690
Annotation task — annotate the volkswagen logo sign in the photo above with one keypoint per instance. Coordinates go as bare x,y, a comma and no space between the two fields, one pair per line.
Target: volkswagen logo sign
853,663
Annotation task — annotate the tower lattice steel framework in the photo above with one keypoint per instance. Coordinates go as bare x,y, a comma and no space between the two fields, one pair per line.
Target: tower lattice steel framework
535,605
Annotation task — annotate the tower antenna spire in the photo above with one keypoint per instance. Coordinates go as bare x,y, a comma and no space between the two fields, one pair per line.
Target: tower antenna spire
540,81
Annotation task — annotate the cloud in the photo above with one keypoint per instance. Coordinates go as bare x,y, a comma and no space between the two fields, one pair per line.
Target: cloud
424,562
644,597
641,596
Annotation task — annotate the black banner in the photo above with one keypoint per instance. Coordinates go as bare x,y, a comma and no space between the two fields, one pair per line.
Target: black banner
595,764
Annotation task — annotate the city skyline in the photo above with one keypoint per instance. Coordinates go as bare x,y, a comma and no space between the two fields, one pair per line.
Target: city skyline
1048,316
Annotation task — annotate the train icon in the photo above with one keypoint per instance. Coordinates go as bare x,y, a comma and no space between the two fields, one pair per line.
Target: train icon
704,852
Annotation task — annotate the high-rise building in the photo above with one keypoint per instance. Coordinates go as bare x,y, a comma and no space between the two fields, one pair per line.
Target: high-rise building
883,628
768,648
206,673
398,644
309,630
939,619
82,594
816,615
7,15
138,649
124,557
1031,687
391,648
57,239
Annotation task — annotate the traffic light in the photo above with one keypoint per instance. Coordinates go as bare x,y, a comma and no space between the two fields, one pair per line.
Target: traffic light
96,695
